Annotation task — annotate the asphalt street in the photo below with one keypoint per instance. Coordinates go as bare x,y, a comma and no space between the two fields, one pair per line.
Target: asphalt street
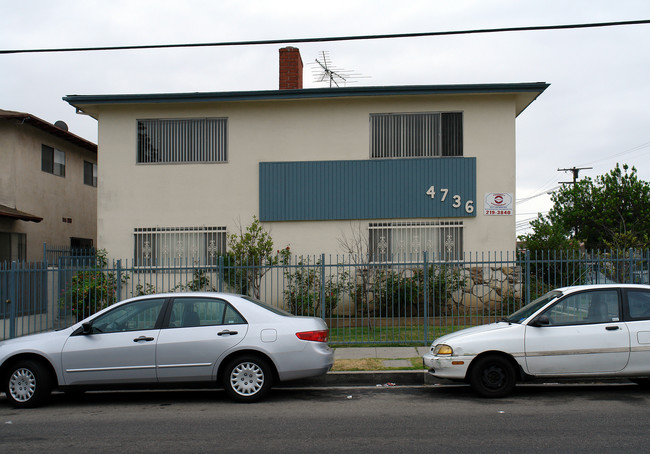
441,418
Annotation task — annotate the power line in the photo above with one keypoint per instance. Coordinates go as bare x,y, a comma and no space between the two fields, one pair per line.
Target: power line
526,199
332,38
615,155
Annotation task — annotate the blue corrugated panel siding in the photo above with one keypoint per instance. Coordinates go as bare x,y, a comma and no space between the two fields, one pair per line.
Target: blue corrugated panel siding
367,189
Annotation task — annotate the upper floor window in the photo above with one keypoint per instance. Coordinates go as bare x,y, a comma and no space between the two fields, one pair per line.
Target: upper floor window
90,173
412,135
179,246
53,161
182,141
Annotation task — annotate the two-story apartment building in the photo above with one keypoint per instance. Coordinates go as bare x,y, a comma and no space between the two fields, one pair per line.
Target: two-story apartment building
408,168
48,187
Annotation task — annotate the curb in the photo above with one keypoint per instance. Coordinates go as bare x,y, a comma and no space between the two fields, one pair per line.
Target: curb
415,378
367,378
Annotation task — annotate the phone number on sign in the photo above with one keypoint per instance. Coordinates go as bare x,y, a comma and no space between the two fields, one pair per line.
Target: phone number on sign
498,212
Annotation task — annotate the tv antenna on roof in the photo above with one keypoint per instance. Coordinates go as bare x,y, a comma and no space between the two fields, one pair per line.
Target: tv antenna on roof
325,72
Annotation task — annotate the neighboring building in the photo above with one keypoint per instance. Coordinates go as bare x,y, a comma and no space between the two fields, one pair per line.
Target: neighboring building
48,187
413,168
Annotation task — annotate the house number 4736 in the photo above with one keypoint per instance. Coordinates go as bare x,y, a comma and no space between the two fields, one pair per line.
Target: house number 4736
457,202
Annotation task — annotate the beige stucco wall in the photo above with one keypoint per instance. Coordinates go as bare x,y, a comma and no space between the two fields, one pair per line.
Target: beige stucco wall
25,187
132,195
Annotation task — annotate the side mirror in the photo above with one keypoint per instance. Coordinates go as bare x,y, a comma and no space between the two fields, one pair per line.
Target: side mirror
87,328
542,320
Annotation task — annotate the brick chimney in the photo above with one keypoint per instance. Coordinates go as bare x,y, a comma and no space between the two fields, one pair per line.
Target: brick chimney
290,68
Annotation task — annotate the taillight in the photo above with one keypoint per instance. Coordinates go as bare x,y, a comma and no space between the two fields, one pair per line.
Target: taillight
315,336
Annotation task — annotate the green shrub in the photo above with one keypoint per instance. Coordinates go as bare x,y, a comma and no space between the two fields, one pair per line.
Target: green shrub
92,289
303,293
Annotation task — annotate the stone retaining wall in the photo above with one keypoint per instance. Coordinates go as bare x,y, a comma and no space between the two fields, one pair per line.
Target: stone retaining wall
485,288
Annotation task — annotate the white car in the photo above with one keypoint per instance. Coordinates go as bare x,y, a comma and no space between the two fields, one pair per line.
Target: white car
596,331
169,340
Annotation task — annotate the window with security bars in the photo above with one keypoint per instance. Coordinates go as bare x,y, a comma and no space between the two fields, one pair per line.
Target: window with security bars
413,135
179,246
407,241
169,141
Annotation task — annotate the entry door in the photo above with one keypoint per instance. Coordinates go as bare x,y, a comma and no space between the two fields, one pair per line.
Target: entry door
585,335
200,331
120,349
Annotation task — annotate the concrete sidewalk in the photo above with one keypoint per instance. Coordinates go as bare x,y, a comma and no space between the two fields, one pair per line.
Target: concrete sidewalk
392,356
379,352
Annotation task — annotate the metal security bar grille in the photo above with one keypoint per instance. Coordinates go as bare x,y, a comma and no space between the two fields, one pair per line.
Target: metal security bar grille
179,246
407,241
181,141
416,135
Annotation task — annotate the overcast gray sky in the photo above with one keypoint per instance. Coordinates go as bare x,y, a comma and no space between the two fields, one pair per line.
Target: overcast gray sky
595,113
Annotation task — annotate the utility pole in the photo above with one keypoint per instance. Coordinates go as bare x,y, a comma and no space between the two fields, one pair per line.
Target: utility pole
575,171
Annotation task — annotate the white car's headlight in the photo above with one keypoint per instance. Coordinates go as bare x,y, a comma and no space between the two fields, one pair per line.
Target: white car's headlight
443,349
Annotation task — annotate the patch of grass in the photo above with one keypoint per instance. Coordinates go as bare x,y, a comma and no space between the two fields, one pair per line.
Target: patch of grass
393,335
357,364
372,364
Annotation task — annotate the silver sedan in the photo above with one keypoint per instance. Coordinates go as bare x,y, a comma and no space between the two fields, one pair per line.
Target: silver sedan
169,340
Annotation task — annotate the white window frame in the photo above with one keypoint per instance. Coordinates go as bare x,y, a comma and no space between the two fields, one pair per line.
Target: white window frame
408,241
178,246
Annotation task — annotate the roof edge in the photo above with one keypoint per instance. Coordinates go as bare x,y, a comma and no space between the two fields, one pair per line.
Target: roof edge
307,93
48,127
13,213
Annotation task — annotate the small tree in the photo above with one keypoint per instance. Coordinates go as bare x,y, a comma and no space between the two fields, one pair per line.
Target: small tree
367,279
252,249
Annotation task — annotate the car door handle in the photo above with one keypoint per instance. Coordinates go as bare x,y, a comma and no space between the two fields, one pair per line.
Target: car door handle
611,328
143,338
223,333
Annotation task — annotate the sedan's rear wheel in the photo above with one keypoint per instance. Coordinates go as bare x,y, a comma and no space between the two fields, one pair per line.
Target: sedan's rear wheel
247,378
493,376
28,384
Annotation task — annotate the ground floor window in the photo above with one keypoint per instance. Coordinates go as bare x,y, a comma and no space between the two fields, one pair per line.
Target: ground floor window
179,246
407,241
13,247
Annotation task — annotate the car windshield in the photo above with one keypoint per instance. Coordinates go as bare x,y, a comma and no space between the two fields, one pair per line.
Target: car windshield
268,307
529,309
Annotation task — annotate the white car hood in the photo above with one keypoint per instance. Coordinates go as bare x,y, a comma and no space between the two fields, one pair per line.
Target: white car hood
470,331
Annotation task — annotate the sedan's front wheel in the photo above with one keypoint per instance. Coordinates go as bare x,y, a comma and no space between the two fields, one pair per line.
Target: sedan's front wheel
28,384
247,378
493,376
